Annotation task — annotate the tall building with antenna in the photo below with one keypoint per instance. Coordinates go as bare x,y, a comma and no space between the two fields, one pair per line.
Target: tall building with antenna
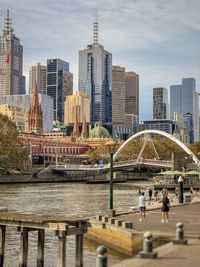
11,61
95,78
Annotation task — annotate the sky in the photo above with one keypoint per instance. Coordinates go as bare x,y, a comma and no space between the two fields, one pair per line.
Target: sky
159,40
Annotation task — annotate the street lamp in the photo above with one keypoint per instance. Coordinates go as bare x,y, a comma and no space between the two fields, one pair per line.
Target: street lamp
111,146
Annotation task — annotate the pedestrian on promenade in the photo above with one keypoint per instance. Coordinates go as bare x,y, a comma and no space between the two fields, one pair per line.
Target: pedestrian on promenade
150,192
165,208
156,195
139,192
176,192
142,206
191,192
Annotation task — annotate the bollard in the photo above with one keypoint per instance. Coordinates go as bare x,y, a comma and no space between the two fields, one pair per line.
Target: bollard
147,247
101,257
180,235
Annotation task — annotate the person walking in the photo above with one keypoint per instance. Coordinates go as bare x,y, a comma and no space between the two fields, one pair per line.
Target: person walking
142,206
150,192
165,208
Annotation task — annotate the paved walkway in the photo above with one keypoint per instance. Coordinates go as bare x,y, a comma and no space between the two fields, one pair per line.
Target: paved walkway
169,255
188,214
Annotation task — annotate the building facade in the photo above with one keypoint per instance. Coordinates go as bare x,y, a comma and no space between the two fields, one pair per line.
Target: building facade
81,101
160,103
35,116
95,78
37,77
118,95
132,93
183,100
15,114
167,126
56,71
24,101
11,61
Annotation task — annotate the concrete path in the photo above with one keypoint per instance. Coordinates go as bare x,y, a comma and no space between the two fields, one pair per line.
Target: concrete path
188,214
169,255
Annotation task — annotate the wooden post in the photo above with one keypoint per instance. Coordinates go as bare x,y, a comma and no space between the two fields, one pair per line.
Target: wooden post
61,249
79,250
2,243
23,247
40,248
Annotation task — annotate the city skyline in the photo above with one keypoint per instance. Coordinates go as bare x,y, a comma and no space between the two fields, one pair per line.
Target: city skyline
159,41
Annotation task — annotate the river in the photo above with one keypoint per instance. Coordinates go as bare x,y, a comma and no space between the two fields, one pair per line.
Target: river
85,200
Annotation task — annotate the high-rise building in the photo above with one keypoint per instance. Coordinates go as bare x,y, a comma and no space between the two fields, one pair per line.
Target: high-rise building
80,102
11,61
95,78
160,103
56,71
132,93
37,77
118,95
185,100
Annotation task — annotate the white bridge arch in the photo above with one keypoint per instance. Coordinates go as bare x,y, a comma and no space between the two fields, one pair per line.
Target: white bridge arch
169,136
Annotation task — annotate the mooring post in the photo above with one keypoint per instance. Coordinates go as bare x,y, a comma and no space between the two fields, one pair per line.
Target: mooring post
79,250
23,247
2,243
61,249
102,257
40,248
147,251
180,240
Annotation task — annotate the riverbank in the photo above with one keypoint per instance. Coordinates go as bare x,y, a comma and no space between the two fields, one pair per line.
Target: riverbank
124,232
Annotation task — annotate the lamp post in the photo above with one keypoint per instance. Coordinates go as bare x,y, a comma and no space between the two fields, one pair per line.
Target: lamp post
111,146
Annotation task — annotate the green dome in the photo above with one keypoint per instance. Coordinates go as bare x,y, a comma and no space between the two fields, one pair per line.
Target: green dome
99,131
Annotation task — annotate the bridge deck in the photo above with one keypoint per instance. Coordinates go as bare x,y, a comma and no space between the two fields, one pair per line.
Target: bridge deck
42,222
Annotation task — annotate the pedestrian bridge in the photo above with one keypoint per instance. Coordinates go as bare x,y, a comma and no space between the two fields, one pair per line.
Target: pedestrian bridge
128,164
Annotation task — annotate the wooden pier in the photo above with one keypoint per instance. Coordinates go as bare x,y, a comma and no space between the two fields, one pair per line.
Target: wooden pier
62,227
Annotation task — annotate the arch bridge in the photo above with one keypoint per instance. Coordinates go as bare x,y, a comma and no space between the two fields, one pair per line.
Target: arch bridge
147,138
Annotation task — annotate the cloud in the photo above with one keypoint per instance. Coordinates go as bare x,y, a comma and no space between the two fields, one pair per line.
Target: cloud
159,40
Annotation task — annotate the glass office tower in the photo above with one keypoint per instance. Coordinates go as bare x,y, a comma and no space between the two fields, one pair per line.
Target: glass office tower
95,78
56,71
184,100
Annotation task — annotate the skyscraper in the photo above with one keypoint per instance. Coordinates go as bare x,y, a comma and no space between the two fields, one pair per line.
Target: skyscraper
37,77
95,78
132,93
118,95
11,61
185,100
160,103
56,71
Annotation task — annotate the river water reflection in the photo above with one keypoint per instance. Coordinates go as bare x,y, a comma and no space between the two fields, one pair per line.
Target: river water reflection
83,200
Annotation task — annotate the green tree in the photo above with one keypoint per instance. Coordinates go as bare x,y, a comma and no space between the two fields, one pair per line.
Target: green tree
12,152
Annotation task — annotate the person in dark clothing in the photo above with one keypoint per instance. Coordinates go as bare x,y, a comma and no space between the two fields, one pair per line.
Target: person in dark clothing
150,192
165,208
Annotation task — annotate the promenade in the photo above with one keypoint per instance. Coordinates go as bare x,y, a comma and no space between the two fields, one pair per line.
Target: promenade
169,255
128,236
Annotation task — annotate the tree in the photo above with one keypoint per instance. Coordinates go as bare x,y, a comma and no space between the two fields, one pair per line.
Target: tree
12,152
